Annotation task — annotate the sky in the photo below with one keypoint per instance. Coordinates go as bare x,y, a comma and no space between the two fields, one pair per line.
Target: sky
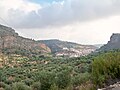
81,21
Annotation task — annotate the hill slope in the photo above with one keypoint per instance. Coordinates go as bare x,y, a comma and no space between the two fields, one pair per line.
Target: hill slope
11,42
65,48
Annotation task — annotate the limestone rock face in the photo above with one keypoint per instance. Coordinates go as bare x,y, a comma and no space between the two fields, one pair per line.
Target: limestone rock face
11,42
115,38
114,43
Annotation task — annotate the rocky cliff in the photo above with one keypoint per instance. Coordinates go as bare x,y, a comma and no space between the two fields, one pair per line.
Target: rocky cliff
114,43
11,42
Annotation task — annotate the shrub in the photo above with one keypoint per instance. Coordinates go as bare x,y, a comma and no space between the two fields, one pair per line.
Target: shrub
46,79
8,87
20,86
54,87
36,86
63,79
2,84
80,79
28,82
106,66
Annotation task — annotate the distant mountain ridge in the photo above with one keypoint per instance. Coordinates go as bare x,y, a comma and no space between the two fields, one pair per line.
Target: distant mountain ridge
57,45
65,48
11,42
114,43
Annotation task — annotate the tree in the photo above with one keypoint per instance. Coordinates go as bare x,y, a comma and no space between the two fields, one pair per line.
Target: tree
46,79
63,79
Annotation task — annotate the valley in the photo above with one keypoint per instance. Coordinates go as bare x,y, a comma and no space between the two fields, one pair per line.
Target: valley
27,64
59,45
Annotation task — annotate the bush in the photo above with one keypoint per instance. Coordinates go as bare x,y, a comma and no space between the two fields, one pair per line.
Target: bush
2,84
106,66
8,87
54,87
20,86
36,86
28,82
63,79
80,79
46,79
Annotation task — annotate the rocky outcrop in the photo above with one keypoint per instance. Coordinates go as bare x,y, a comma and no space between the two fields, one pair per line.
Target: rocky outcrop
115,86
11,42
115,38
114,43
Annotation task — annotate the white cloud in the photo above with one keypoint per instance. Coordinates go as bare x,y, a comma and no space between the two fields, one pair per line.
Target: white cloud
22,13
92,32
22,5
83,21
15,10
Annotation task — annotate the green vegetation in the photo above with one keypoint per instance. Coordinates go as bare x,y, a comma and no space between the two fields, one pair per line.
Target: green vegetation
106,67
47,73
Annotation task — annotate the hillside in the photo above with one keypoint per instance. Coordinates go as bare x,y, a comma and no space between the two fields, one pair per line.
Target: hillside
114,43
64,48
51,73
11,42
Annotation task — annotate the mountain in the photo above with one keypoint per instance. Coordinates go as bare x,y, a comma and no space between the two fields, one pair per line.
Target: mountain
64,48
114,43
11,42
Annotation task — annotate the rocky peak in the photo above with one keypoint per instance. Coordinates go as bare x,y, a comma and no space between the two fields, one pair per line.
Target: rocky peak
115,38
6,31
114,43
